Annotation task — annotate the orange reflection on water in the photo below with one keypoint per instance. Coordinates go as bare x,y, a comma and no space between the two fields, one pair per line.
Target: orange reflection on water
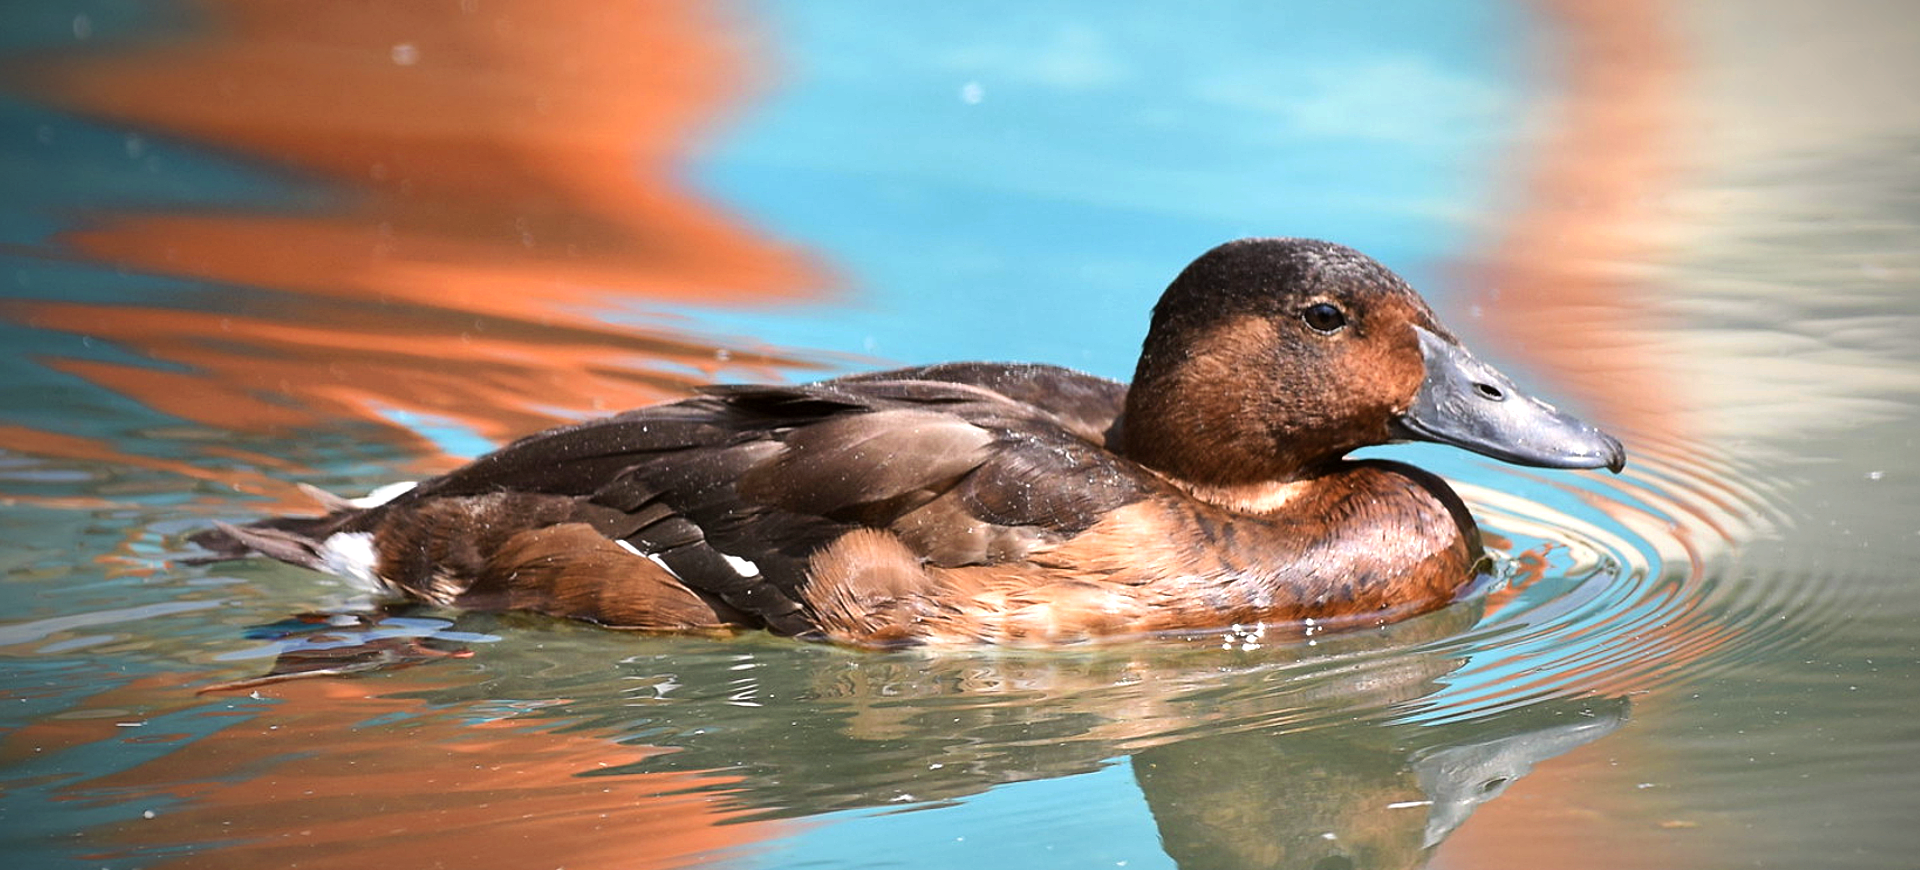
1553,289
497,175
335,777
38,442
1555,294
304,364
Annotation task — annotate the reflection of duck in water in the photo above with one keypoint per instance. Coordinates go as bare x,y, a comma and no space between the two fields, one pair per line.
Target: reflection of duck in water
977,502
1336,800
1245,758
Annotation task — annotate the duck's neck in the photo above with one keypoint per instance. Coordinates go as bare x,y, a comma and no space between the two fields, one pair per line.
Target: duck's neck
1196,417
1218,454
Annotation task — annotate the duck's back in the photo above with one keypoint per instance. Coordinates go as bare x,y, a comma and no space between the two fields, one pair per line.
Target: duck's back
715,510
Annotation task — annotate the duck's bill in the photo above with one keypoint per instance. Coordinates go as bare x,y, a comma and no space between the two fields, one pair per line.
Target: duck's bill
1467,403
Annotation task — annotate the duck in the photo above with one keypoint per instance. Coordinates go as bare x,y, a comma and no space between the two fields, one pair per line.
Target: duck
977,503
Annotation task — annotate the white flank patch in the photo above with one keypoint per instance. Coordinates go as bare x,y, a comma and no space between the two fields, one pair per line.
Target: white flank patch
743,567
383,495
647,556
351,555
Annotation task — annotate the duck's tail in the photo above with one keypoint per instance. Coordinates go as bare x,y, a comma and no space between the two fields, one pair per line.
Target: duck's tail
294,540
329,542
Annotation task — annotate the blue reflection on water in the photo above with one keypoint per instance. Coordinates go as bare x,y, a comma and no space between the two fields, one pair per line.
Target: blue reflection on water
1018,181
1094,819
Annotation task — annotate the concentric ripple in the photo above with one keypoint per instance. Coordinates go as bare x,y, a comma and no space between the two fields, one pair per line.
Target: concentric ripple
1619,585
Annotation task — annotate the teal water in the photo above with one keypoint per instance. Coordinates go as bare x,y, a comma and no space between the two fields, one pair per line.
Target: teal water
1710,661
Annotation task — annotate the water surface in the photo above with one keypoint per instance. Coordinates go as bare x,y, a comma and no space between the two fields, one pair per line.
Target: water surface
249,244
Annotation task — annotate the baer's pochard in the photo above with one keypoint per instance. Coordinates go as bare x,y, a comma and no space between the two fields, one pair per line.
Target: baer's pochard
992,502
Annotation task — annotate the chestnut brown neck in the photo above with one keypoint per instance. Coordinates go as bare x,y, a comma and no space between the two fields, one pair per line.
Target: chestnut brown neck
1198,413
1210,456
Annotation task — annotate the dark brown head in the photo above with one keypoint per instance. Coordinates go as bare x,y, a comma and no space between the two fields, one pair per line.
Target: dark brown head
1269,359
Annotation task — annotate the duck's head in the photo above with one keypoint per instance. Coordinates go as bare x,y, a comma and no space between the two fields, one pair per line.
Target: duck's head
1269,359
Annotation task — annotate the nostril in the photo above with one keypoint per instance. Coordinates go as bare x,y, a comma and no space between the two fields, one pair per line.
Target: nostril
1490,391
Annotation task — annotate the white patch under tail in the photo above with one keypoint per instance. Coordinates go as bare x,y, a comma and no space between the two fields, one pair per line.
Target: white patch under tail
351,555
383,494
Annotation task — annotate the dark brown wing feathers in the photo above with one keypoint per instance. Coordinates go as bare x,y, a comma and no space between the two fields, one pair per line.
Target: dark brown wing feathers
1083,405
868,467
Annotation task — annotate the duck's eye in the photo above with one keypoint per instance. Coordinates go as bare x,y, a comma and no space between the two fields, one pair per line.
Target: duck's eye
1324,317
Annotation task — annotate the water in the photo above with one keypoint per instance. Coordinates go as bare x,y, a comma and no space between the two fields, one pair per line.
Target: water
345,246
